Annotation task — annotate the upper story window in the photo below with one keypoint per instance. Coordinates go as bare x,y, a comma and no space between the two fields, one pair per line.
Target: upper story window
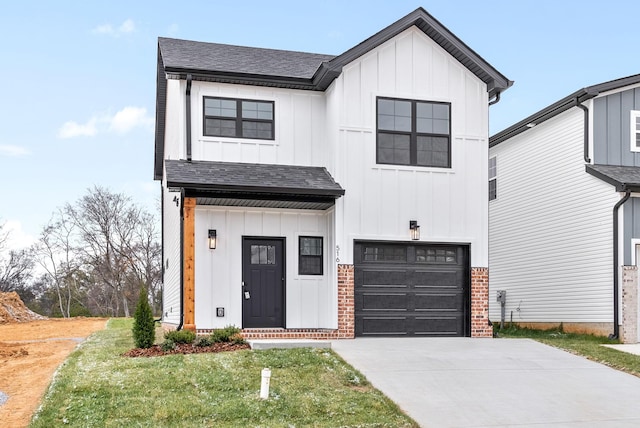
229,117
635,131
493,182
412,132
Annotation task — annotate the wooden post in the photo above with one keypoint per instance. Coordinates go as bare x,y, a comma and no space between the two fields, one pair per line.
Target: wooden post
189,264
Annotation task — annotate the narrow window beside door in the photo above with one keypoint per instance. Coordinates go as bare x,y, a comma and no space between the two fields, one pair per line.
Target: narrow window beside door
310,255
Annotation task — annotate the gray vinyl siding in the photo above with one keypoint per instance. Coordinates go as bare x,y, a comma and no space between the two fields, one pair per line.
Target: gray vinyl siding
611,128
631,226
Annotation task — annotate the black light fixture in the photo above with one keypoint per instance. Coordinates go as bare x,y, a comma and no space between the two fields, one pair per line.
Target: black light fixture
213,239
414,229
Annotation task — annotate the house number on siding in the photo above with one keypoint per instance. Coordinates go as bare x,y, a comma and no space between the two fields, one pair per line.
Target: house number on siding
337,253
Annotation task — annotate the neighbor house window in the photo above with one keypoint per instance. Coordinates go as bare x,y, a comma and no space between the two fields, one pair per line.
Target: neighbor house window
412,132
493,182
635,131
310,255
229,117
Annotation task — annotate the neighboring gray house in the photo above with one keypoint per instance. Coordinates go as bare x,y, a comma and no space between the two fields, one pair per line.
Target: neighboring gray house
564,212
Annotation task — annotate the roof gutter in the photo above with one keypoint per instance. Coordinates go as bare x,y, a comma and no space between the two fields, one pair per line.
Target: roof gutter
188,101
496,100
616,327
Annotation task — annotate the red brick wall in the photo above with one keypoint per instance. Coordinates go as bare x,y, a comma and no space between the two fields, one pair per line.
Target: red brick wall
480,303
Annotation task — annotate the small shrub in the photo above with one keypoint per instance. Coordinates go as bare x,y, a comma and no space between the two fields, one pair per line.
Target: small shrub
144,329
237,339
225,334
168,345
180,336
203,341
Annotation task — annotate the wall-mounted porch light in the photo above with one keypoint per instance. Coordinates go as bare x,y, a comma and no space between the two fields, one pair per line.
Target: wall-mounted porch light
213,239
414,230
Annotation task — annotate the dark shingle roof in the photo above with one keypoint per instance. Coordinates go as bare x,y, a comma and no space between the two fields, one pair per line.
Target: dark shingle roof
623,177
251,178
181,55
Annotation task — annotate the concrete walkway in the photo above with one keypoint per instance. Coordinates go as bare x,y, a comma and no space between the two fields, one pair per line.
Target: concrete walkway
462,382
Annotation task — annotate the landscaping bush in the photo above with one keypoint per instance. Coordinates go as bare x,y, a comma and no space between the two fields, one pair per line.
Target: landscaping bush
168,345
180,336
144,329
226,334
203,341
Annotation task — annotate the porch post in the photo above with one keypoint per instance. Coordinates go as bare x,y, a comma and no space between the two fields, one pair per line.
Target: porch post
189,205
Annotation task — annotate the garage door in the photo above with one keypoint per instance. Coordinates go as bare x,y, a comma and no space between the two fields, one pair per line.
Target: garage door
406,289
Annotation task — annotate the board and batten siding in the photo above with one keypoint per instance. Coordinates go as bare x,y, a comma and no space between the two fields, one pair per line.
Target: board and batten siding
612,128
299,121
550,228
310,299
449,204
171,262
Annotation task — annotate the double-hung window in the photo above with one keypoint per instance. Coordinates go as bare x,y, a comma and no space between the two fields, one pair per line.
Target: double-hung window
635,131
412,132
310,255
493,181
230,117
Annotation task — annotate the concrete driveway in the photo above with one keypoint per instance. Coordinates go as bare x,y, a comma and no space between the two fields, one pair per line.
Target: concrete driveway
463,382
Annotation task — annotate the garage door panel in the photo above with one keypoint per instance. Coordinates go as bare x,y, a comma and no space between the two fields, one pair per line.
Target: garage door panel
411,289
383,326
436,279
383,301
391,278
438,326
448,301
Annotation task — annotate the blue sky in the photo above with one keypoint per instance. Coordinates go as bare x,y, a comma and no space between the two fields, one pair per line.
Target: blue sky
77,105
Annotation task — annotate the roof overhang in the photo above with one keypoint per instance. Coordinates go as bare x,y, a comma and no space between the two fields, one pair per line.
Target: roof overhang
561,106
254,185
624,178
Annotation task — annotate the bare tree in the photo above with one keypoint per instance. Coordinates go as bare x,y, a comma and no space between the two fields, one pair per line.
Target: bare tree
118,245
16,266
57,256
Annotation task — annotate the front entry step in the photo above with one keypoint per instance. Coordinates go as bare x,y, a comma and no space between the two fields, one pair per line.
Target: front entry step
288,343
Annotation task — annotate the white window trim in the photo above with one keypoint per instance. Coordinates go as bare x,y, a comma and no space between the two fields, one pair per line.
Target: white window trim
633,135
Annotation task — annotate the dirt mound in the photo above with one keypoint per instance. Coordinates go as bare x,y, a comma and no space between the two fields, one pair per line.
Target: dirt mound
13,310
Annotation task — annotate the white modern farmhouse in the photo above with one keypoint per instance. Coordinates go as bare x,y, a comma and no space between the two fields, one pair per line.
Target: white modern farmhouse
565,212
321,196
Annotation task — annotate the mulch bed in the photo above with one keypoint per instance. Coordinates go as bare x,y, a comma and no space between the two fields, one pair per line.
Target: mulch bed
186,348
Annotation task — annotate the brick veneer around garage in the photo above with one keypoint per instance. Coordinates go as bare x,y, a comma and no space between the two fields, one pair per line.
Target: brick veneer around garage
480,326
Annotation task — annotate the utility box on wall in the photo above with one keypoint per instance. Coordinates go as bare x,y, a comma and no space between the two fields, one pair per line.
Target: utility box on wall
501,296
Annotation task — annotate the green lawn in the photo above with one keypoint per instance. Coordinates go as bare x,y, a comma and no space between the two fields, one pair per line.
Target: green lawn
586,345
96,387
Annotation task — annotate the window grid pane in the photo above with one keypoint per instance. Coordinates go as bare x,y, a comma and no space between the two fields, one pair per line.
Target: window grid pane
414,133
222,118
263,255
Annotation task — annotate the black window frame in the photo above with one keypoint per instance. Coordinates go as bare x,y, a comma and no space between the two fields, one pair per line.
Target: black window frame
301,257
413,134
239,119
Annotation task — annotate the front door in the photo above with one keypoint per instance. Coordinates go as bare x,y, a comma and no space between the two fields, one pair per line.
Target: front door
263,283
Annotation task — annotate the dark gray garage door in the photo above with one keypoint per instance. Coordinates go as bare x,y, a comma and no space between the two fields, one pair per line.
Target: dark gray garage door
411,289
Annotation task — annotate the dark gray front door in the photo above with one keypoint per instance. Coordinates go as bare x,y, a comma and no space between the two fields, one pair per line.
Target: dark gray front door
407,289
263,283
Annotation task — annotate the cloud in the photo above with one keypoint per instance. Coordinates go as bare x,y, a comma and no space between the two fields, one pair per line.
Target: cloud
13,151
173,30
73,129
122,122
128,118
128,26
18,238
